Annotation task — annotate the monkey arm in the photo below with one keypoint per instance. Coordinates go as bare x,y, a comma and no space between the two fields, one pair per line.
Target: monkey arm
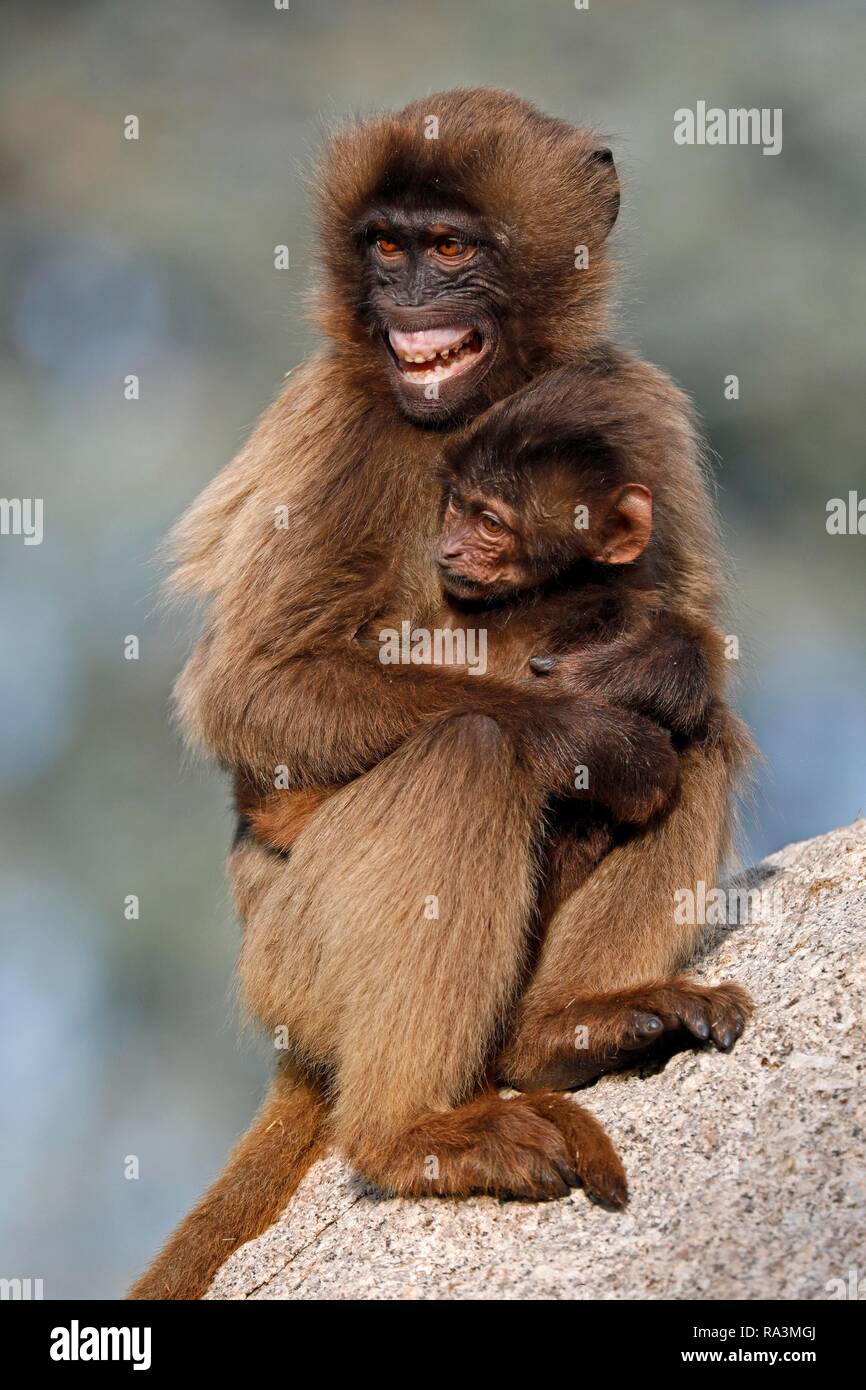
671,671
330,715
668,669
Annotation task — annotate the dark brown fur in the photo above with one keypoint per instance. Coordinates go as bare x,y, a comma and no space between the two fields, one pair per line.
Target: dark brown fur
444,778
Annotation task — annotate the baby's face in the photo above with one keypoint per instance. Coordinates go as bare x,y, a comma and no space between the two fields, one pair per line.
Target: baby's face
481,550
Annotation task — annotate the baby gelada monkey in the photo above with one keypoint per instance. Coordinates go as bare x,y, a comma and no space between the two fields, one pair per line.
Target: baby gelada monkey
552,543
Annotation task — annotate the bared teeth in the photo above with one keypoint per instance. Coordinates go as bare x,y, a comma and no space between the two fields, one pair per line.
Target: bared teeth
445,349
436,351
453,351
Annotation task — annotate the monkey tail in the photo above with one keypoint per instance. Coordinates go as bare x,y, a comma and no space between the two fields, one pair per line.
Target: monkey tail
263,1170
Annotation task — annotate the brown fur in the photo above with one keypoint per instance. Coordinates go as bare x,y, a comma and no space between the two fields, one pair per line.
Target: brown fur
401,1014
537,1145
277,820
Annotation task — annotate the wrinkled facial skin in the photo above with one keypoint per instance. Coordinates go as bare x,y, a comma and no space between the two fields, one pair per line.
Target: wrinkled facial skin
433,295
481,552
490,548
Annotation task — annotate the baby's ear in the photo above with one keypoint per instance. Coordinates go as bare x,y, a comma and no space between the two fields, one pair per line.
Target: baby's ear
628,526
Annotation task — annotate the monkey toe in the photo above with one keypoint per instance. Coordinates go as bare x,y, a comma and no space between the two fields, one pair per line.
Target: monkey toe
607,1186
539,1146
547,1181
596,1164
604,1181
645,1027
536,1161
699,1027
730,1008
691,1014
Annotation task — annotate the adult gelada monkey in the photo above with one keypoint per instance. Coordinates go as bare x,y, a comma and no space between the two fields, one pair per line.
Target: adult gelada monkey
449,279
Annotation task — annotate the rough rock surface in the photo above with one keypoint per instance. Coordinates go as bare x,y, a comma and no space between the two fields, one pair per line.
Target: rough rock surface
747,1172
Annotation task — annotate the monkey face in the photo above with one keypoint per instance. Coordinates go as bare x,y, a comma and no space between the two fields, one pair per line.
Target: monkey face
492,546
448,265
481,552
430,287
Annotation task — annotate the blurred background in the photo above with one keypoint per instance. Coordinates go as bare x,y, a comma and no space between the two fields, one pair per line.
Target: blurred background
156,257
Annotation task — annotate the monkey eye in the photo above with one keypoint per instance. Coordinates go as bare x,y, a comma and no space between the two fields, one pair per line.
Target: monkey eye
386,247
491,524
450,247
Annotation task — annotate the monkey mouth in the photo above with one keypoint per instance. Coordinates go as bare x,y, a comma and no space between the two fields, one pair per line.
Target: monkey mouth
461,586
435,354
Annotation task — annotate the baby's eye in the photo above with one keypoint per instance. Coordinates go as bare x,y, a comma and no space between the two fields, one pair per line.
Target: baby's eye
491,524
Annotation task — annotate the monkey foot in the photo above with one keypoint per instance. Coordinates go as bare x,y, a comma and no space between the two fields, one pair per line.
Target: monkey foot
535,1146
607,1032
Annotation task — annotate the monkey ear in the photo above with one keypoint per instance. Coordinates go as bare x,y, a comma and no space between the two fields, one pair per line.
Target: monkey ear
629,525
601,160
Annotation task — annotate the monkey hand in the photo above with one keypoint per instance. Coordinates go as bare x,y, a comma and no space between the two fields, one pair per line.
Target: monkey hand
668,673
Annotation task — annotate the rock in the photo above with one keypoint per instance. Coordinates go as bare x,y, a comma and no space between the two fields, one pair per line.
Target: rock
747,1171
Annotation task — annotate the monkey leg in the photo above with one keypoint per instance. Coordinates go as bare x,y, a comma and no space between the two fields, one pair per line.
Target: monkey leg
390,946
265,1167
420,879
602,992
428,898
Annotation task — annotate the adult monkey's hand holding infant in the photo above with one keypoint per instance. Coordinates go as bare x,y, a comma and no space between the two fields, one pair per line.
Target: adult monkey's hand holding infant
449,282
